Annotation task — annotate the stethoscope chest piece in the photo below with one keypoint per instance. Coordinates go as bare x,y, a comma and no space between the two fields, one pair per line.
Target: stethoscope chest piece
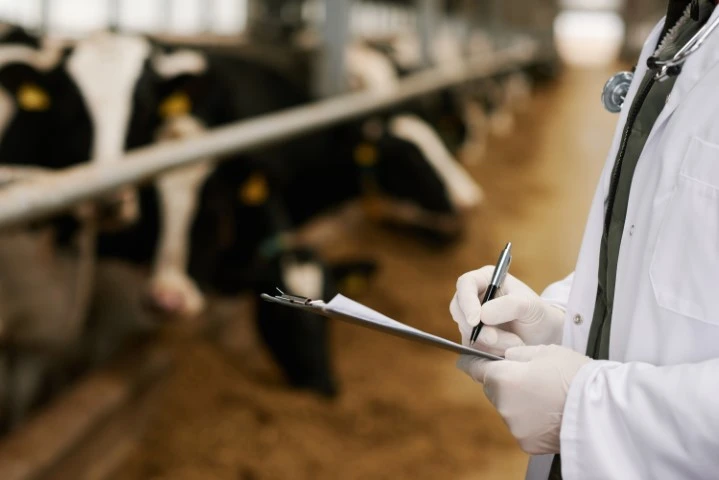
615,91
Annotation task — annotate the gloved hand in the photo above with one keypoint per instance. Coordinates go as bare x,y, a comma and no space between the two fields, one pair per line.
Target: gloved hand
523,317
529,390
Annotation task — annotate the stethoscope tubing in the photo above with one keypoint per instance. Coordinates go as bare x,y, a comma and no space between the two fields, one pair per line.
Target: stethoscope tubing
616,88
673,65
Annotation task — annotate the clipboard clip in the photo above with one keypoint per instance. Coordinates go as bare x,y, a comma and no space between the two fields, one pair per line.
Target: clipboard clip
293,298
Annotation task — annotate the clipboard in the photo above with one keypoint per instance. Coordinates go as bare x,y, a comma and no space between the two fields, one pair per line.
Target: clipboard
353,312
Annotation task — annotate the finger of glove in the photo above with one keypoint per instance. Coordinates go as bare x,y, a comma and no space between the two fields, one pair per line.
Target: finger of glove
498,340
526,353
469,288
473,366
465,329
514,286
510,308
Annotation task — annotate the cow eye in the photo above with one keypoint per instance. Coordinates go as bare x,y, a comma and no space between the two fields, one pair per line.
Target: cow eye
33,98
175,105
254,191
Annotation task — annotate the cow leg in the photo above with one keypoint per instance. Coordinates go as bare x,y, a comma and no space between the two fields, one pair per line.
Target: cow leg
172,291
26,374
4,390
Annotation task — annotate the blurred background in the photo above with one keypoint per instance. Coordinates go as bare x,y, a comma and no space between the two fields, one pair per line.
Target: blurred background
163,162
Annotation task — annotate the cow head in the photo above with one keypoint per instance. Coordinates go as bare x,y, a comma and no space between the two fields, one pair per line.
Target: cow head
119,79
409,178
40,107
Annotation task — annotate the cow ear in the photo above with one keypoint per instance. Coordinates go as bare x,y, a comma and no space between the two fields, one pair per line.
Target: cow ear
173,64
172,68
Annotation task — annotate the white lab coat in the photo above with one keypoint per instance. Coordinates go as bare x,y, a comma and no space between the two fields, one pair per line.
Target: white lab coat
652,410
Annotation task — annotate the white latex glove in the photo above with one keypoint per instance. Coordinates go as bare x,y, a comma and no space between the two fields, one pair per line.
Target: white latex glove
516,316
529,390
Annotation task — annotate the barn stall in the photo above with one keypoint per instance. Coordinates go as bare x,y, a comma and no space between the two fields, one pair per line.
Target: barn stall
100,416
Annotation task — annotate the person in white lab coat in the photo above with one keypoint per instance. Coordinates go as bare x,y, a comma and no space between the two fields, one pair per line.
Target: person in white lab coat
614,371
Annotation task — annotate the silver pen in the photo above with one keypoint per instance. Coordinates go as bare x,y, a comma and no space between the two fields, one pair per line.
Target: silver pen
500,272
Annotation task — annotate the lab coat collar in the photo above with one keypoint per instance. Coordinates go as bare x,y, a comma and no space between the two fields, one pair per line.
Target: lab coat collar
696,66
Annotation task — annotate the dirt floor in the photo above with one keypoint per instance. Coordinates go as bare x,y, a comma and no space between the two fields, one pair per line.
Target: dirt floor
405,410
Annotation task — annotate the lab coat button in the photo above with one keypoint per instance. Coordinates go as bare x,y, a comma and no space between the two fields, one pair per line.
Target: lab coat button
631,230
578,319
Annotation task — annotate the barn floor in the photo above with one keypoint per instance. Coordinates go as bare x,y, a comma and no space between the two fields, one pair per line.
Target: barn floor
405,410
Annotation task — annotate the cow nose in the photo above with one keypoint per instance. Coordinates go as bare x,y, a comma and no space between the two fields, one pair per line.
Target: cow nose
165,302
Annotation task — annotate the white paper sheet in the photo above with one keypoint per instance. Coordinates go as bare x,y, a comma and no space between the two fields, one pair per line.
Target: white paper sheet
343,305
349,308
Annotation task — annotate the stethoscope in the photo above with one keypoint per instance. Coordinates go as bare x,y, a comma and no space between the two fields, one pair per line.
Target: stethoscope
615,90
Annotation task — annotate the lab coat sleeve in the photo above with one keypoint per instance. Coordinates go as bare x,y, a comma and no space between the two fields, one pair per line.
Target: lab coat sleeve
558,293
637,421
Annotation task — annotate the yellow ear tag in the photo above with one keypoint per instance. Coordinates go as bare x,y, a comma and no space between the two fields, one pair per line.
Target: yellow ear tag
254,191
365,155
175,105
32,98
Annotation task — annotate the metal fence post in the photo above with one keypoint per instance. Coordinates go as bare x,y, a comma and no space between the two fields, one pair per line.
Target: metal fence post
207,9
45,8
330,78
113,14
428,12
26,201
166,10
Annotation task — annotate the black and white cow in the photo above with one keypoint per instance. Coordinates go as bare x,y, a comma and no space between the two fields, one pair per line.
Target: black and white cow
127,93
217,90
108,93
209,224
464,116
47,272
414,173
379,65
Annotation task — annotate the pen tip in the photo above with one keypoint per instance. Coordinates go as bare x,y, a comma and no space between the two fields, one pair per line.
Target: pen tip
509,245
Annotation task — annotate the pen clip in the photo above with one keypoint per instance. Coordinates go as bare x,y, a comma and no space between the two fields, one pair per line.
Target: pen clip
293,298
